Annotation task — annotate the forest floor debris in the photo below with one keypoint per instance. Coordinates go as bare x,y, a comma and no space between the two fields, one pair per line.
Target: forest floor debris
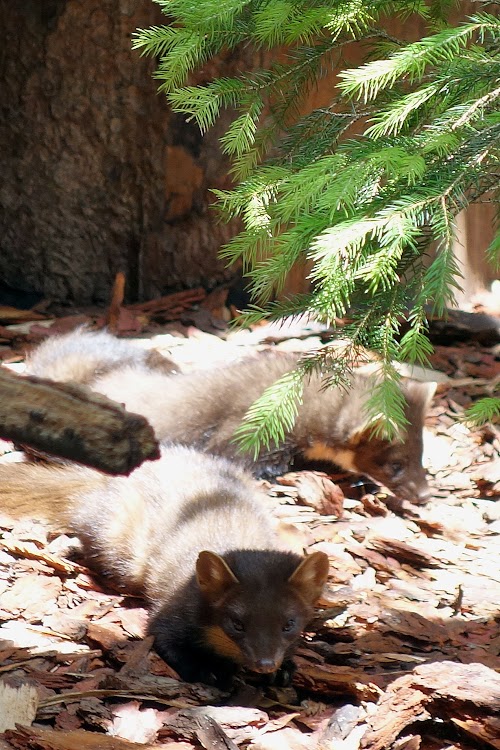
404,651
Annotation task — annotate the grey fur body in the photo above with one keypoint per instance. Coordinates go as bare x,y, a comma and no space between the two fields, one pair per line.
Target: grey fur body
167,511
192,533
204,408
82,356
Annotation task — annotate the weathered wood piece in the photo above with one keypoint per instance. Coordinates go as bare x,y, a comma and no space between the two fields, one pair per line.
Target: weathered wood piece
49,739
332,680
316,490
170,302
18,703
464,326
211,735
404,552
117,296
445,689
71,422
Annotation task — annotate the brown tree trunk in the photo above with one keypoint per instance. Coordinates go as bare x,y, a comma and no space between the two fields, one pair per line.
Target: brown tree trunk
98,175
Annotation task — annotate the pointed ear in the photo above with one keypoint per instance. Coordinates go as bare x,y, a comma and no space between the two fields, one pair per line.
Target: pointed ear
310,576
213,574
362,434
421,392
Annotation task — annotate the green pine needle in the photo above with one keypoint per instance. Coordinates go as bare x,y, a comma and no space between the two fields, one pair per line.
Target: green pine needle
364,191
272,416
484,410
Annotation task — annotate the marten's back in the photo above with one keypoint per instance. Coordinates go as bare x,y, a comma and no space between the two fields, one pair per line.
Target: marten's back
146,530
82,356
202,408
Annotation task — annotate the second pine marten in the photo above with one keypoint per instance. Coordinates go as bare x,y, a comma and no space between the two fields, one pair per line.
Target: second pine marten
204,408
192,534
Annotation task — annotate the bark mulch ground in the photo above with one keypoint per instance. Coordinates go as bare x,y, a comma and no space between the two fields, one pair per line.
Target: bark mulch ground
404,651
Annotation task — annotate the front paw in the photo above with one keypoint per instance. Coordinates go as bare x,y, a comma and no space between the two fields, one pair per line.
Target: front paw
284,675
202,668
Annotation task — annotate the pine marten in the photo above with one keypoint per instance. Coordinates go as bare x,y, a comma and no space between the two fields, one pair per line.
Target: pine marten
82,356
192,534
204,408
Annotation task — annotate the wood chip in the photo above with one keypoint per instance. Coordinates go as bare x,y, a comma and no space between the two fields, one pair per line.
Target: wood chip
18,703
432,689
316,490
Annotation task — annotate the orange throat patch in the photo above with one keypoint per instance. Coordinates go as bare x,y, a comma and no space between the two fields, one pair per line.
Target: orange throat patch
342,457
222,644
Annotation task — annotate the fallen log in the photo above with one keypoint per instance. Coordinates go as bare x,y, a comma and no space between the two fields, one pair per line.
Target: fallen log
72,422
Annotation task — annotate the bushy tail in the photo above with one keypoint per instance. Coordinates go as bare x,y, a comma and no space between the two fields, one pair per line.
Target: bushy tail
43,492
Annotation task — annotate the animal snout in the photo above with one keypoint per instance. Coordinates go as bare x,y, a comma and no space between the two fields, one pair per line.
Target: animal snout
265,666
417,492
423,493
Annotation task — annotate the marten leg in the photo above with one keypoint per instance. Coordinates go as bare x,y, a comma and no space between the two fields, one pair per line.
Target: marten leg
192,663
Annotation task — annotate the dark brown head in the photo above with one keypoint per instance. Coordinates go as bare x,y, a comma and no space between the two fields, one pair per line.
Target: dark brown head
256,603
397,464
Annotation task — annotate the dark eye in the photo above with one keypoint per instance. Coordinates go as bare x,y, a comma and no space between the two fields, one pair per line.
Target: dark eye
237,625
288,626
396,468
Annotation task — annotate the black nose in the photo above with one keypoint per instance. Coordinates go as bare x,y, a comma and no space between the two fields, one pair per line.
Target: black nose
264,666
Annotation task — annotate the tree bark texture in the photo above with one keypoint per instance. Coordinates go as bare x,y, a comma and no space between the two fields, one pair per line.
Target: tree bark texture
98,174
72,422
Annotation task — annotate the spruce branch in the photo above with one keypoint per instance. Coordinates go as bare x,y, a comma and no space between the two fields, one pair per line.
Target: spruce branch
485,410
411,62
357,189
273,415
